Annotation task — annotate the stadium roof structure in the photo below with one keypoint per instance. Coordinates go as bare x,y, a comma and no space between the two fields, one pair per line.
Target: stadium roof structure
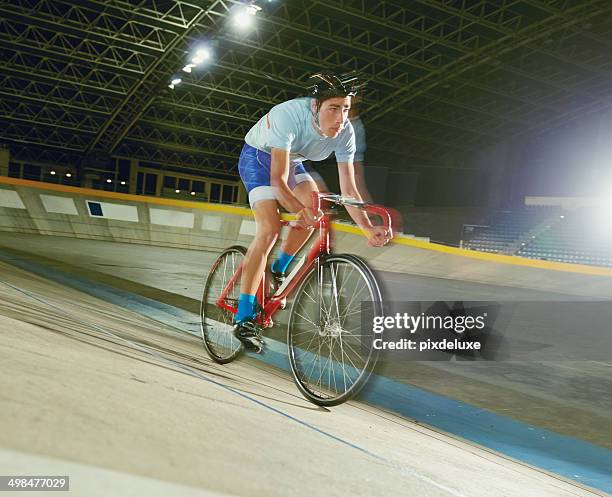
89,78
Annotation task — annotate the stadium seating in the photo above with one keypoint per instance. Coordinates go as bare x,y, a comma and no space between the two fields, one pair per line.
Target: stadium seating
580,236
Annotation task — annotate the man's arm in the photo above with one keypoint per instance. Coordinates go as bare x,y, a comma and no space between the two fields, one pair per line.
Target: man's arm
377,236
361,183
348,188
279,174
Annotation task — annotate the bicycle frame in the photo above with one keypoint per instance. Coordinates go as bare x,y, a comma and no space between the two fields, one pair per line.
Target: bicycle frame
320,247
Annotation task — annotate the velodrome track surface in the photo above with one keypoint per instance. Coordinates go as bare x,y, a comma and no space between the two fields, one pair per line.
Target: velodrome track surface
129,404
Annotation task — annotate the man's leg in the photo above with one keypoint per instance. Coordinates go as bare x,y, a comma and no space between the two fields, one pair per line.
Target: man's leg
297,237
267,218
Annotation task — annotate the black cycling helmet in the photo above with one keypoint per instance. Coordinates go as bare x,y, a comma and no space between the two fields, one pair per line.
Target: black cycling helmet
329,85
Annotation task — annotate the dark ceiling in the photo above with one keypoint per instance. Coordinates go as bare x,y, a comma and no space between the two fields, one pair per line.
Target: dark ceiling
88,78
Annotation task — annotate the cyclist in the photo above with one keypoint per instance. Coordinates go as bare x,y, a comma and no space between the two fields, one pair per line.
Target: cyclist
270,165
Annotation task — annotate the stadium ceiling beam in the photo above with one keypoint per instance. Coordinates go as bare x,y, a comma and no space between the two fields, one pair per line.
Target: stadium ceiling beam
22,64
197,162
176,19
390,55
393,85
52,94
176,139
193,102
48,53
31,133
358,26
466,13
89,29
227,164
240,66
22,111
215,131
289,55
553,74
69,48
144,92
233,94
292,52
267,62
264,73
549,6
41,154
30,75
379,17
246,66
223,123
533,32
206,106
242,85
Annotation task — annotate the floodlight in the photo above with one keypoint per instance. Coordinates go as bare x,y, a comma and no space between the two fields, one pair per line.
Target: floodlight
201,55
243,17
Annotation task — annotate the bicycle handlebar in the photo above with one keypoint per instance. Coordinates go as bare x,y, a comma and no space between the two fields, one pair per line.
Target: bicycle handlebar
375,209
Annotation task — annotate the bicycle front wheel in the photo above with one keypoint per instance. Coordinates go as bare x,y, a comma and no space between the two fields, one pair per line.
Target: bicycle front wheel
217,322
330,357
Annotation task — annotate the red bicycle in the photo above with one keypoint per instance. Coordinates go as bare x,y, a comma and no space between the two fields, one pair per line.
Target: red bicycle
330,357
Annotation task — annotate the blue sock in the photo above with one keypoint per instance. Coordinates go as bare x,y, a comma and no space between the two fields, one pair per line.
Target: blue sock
281,264
246,307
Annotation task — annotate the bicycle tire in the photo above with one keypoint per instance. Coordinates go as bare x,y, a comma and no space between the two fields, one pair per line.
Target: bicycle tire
216,324
332,329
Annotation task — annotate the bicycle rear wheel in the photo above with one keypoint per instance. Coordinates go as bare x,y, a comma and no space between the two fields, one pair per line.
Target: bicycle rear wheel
331,359
217,323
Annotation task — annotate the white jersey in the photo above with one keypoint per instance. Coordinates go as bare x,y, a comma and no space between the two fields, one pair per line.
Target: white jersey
289,126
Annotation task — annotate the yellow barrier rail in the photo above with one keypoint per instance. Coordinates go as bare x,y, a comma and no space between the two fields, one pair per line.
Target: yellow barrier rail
244,211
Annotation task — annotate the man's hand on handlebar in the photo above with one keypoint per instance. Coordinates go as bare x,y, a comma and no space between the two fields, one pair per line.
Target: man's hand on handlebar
377,236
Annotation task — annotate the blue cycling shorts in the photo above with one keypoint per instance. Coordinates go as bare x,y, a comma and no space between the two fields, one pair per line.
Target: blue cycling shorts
254,169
